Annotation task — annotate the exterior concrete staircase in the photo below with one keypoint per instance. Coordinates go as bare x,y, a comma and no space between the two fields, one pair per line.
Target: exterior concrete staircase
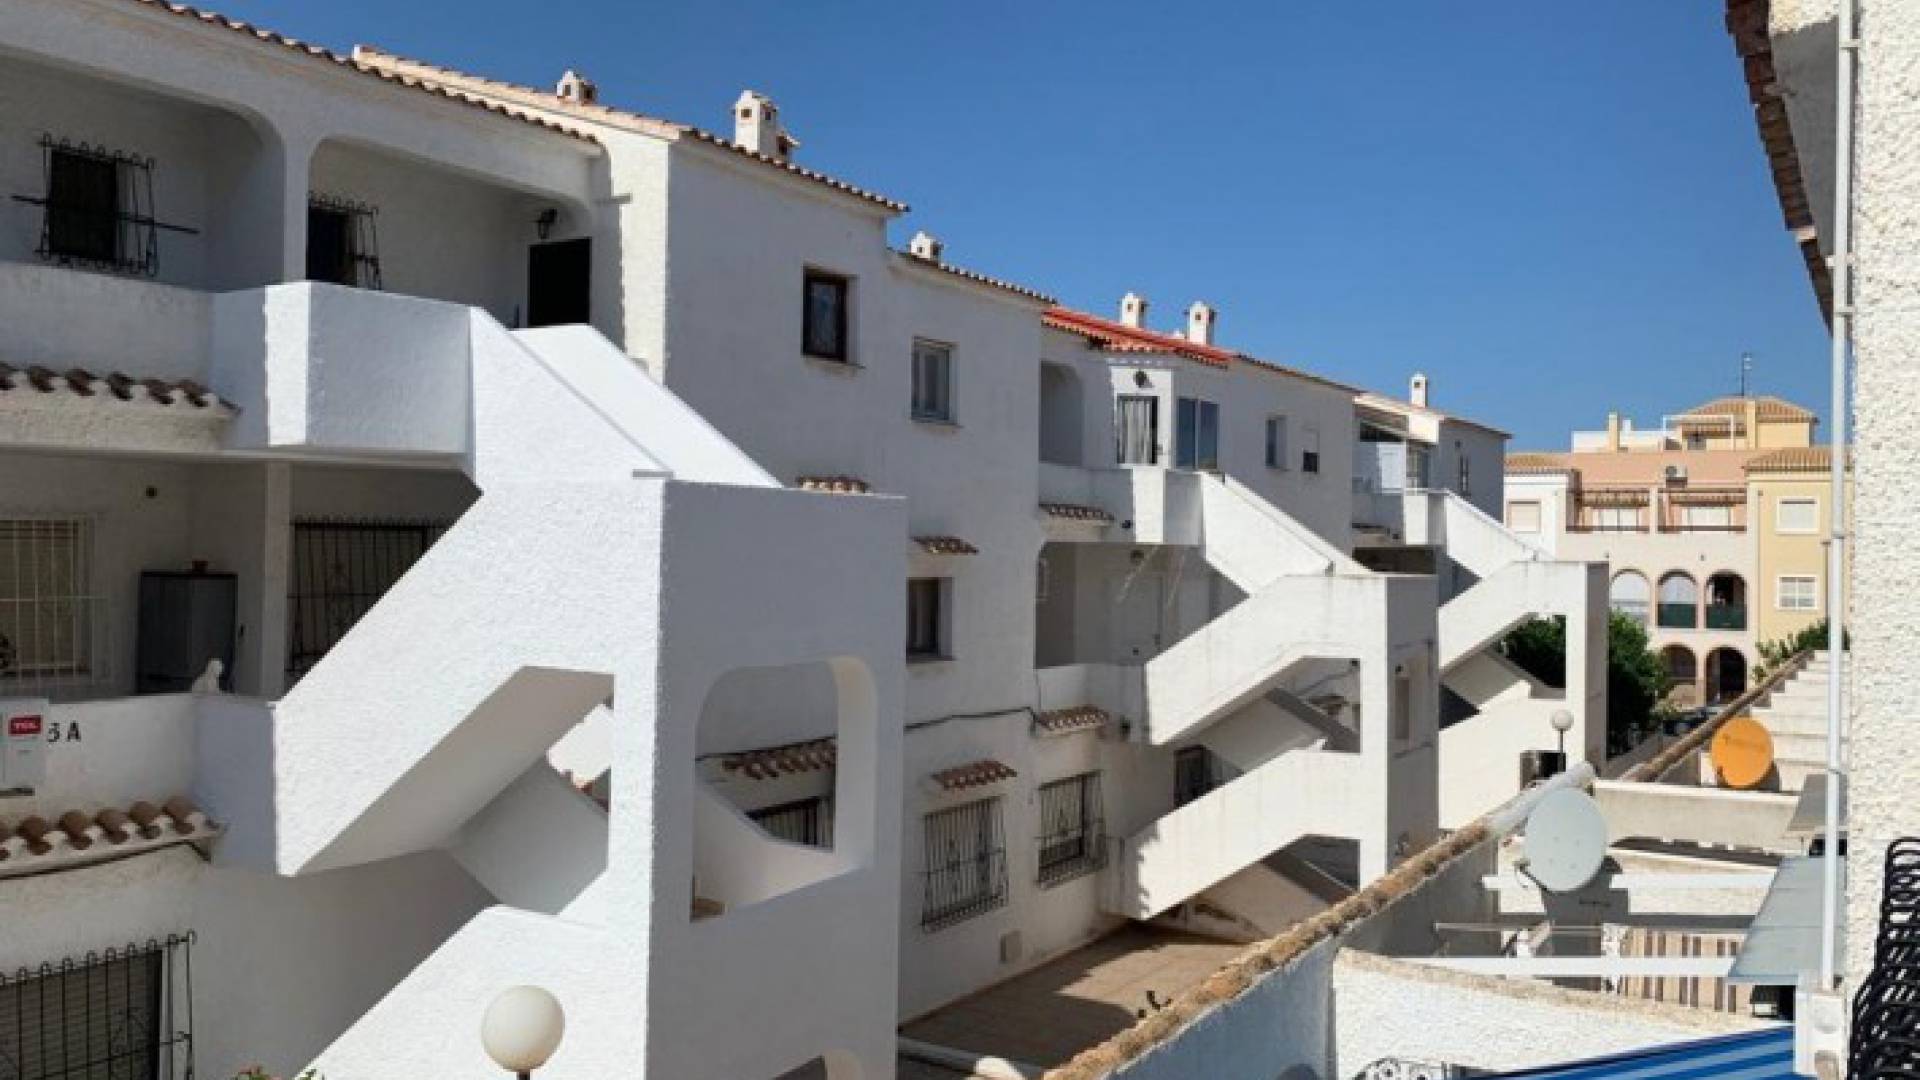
1795,715
1224,683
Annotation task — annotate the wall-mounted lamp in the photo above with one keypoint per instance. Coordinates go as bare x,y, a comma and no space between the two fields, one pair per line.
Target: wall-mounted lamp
544,223
1141,380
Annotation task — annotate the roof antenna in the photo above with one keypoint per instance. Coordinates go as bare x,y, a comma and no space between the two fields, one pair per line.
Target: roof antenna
1746,372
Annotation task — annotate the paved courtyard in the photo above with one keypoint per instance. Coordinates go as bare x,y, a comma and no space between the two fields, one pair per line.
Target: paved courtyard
1049,1014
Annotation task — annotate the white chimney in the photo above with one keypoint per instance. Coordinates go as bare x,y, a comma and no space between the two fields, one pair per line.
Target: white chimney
1200,320
1417,389
925,245
576,88
756,126
1133,311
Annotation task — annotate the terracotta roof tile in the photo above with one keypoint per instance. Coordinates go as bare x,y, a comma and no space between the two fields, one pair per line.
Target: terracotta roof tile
270,37
1536,464
772,761
1118,337
1069,720
36,843
975,276
1074,512
625,119
945,545
1747,22
1816,459
1771,408
974,774
117,386
834,485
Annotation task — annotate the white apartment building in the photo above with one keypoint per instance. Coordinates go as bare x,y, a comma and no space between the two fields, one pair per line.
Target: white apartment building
634,576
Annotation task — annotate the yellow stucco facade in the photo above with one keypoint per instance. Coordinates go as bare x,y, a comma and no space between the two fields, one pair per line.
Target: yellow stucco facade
1790,507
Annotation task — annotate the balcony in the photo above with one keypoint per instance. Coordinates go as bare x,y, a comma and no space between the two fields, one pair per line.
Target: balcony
1726,616
1673,616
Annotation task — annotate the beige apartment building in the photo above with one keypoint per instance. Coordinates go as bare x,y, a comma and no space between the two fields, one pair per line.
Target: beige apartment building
1713,526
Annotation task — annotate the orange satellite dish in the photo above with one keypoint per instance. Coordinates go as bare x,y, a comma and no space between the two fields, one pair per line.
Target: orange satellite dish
1742,752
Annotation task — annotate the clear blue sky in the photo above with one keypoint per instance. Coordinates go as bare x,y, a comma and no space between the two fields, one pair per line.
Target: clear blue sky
1551,209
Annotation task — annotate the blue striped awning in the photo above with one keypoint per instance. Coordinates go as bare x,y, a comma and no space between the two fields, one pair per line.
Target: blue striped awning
1755,1055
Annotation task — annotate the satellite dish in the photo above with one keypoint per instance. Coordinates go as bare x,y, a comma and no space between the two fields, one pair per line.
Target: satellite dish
1742,752
1565,841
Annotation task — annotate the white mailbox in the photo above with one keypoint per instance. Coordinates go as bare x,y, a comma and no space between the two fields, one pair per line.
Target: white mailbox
23,755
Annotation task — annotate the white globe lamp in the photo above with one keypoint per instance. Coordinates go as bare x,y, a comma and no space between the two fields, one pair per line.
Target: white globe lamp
1562,721
522,1029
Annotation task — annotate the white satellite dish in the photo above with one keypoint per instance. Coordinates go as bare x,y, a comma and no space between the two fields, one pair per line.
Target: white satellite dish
1565,842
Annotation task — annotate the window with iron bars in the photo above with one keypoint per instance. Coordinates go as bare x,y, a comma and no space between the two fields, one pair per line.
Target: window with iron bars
806,821
966,859
339,570
343,244
120,1013
97,209
1073,836
49,611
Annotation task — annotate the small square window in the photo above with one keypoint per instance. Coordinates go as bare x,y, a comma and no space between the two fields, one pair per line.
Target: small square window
1523,517
932,382
1797,516
1798,593
823,330
965,854
926,619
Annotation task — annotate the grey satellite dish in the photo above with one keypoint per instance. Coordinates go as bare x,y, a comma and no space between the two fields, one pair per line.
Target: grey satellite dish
1565,840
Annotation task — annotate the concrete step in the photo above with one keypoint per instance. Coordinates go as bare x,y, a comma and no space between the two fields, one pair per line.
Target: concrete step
1802,746
1790,726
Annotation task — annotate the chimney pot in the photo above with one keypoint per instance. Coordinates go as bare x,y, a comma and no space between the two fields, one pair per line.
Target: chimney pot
925,245
576,87
757,128
1200,320
1133,311
1417,389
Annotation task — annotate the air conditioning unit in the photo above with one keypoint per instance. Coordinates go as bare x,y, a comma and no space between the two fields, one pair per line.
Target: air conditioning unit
1676,474
23,744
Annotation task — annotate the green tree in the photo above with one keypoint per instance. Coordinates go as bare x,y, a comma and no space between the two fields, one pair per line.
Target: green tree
1636,679
1812,638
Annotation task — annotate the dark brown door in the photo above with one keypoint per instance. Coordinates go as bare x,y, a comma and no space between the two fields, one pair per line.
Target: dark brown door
559,282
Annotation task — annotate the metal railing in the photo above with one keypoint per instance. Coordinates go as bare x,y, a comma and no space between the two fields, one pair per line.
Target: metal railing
1678,616
966,864
1726,616
339,570
1073,823
124,1012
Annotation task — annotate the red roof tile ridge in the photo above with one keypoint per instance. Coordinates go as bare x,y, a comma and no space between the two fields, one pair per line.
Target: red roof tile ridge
321,52
611,115
38,841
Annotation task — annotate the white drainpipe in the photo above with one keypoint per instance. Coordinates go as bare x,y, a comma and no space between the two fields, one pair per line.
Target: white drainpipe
1836,526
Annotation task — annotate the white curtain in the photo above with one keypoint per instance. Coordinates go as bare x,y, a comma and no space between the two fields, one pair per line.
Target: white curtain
1136,432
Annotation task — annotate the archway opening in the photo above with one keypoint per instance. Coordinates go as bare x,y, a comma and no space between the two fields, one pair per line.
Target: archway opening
1683,672
1726,674
1726,602
1631,596
1679,602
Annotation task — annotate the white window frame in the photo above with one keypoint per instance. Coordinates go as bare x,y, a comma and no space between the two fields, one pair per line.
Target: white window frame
1779,515
1780,592
1539,516
940,410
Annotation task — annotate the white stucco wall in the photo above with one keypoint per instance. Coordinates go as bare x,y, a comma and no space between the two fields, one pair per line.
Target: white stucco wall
1394,1009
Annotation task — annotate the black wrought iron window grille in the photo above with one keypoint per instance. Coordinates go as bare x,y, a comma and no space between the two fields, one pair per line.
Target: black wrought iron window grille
804,821
125,1012
1073,829
966,864
339,570
343,241
97,209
